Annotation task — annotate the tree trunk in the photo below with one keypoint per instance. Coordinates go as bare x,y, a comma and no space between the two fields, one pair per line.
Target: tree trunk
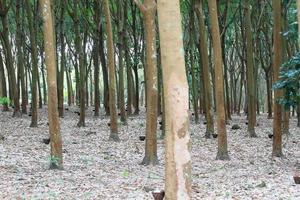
3,84
277,59
95,52
219,82
19,38
178,145
50,59
148,9
104,72
205,71
34,89
62,61
112,78
250,73
121,38
13,89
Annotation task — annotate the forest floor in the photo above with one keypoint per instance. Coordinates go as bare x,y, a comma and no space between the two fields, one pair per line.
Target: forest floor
95,168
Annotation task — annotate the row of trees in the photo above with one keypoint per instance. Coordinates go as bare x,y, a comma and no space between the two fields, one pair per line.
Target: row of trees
227,45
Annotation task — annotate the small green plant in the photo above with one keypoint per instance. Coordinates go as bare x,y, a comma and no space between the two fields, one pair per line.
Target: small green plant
54,161
125,174
4,100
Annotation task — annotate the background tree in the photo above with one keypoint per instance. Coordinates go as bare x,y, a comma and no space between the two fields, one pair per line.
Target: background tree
277,61
112,79
221,121
148,9
250,73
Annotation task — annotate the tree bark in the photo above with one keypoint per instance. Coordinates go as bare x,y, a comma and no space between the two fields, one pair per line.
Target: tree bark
205,71
62,61
178,145
50,59
112,78
250,73
148,9
9,60
219,82
277,59
34,86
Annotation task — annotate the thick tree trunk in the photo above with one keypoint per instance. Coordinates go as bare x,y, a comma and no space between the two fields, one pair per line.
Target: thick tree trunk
178,145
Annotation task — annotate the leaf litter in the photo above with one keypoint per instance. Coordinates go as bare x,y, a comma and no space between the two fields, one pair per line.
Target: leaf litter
96,168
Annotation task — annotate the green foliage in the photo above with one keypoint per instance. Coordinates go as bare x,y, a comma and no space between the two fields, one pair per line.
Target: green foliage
125,174
54,161
289,80
4,101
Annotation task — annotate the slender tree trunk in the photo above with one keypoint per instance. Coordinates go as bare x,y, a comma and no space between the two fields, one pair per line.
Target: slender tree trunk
104,72
3,84
191,54
148,9
121,38
13,89
112,78
298,17
130,86
34,89
19,38
178,146
96,45
135,62
61,72
277,59
50,59
43,77
205,71
250,73
219,81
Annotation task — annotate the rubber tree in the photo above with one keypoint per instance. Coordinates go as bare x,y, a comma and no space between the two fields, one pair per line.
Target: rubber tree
34,59
148,9
250,73
112,78
61,71
4,8
20,57
205,71
219,82
277,61
56,161
121,42
178,145
298,17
